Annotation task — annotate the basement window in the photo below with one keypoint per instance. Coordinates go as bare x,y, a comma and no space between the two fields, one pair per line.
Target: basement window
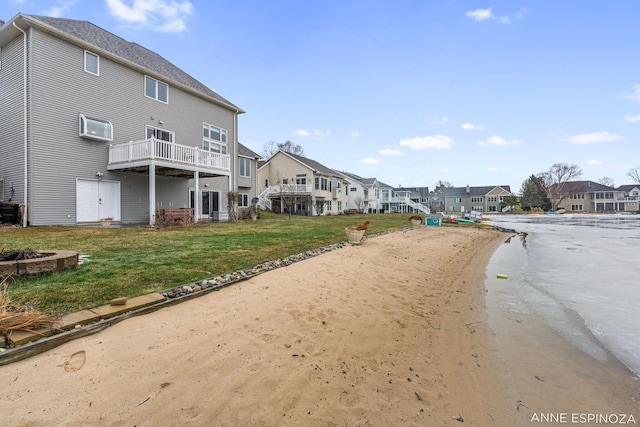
95,128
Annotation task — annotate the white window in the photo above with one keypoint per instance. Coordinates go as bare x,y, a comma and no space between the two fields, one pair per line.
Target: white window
243,200
91,63
214,139
155,89
245,167
95,129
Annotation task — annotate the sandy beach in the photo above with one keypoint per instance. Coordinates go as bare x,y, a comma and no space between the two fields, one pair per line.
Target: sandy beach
391,332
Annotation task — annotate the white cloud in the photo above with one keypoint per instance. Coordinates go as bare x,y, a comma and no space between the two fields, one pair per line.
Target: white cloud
444,170
60,8
322,133
479,14
437,142
370,161
499,141
484,14
162,15
471,126
591,138
594,162
355,135
302,132
390,152
632,118
636,93
497,169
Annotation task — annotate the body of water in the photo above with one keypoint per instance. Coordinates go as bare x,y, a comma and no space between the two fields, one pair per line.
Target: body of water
576,271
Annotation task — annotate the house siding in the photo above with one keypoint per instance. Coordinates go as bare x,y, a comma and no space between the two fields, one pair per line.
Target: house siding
61,90
11,119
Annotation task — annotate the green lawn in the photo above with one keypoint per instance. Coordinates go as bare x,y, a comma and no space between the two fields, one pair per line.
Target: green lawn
132,261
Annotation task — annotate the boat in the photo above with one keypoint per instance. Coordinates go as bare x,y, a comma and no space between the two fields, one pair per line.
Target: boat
466,221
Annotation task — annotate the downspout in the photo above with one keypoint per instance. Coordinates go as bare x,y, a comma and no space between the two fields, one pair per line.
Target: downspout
24,118
232,184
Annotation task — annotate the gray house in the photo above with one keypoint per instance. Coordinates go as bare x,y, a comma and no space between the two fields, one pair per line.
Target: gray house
482,199
93,126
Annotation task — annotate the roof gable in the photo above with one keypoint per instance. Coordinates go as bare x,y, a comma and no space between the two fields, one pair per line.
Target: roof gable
91,35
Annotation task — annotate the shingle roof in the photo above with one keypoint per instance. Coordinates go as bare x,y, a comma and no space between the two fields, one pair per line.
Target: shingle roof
582,187
93,35
363,181
316,166
473,191
628,187
246,152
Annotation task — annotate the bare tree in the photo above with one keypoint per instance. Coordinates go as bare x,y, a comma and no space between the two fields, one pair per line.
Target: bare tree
556,179
634,174
271,148
359,201
232,204
608,181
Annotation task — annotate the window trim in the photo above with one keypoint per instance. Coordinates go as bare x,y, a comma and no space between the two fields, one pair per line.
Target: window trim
246,167
156,91
172,134
83,131
88,52
1,189
243,200
222,142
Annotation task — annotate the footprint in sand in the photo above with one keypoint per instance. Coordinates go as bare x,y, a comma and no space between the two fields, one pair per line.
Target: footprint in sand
75,362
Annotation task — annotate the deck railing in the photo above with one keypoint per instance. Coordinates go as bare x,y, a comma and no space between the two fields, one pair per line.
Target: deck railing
155,149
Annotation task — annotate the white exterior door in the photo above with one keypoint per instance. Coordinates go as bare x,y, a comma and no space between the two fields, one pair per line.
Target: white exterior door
96,200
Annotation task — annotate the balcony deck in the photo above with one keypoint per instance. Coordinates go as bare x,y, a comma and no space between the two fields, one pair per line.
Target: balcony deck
171,159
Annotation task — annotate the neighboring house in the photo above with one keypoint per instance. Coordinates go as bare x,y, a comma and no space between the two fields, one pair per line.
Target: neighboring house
363,193
630,197
482,199
387,196
589,196
93,126
302,186
418,197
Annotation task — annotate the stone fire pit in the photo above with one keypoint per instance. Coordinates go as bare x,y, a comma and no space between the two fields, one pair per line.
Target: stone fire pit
46,261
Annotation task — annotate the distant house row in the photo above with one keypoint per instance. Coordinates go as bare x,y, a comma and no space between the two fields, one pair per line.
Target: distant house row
299,185
289,182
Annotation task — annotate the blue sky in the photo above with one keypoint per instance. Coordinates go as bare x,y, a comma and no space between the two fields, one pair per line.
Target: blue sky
408,91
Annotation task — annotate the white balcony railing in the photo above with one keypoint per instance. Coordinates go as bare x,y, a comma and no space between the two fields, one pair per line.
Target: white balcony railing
155,149
293,188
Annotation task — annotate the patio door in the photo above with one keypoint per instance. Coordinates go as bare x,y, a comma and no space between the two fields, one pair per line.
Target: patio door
210,203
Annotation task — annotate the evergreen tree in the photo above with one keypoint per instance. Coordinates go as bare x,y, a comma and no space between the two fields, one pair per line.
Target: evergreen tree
533,194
